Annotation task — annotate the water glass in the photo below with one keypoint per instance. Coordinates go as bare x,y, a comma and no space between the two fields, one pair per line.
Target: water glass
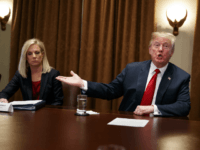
81,105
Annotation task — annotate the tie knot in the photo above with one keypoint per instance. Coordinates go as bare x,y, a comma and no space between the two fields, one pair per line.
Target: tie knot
157,71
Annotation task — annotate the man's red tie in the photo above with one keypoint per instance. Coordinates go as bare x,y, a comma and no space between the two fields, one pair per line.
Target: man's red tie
149,92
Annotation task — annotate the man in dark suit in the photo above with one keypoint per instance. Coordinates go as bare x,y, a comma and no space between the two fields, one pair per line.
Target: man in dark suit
154,86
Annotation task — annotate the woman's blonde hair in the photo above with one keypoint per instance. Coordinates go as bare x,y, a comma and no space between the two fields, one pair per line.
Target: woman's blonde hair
167,35
23,64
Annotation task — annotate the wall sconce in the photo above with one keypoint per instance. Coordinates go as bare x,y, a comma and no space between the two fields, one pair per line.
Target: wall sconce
4,20
176,24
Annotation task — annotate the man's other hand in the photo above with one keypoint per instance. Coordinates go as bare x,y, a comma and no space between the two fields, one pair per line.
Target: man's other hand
141,110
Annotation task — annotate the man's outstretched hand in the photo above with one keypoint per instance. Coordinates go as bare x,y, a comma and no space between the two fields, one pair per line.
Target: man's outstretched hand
75,80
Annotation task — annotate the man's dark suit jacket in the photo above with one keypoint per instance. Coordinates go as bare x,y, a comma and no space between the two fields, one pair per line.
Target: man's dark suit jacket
50,88
172,98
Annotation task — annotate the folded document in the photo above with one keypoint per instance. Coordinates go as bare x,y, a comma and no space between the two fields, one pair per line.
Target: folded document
28,105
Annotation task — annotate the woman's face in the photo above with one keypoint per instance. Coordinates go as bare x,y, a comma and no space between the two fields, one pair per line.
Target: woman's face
34,56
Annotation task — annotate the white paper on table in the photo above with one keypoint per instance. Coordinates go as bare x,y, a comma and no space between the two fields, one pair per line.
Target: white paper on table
25,102
7,107
128,122
92,112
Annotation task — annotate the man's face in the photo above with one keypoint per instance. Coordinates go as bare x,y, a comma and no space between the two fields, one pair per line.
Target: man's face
160,51
34,55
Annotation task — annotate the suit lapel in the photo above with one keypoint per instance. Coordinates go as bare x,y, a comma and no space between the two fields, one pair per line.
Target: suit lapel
141,83
164,83
43,84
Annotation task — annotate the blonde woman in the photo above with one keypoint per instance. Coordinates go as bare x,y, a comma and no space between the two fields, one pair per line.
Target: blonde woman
35,77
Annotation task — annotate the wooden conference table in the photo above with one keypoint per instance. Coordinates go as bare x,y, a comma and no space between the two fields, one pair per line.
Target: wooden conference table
57,128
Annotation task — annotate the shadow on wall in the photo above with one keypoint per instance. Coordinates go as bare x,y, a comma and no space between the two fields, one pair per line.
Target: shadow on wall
161,29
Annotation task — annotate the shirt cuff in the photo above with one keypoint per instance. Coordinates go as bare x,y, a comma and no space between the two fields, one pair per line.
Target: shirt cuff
156,111
85,85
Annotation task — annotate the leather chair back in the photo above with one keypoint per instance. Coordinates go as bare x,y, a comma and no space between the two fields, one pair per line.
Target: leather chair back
70,95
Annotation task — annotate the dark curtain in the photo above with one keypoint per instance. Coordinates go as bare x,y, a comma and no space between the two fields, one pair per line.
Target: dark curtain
195,75
114,33
55,22
94,38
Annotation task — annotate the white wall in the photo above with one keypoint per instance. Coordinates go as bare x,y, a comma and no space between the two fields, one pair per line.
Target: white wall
5,49
182,56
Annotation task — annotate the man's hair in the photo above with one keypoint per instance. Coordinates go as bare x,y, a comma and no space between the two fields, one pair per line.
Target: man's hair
167,35
23,64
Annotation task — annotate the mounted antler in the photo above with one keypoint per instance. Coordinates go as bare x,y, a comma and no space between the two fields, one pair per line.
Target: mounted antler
176,24
4,20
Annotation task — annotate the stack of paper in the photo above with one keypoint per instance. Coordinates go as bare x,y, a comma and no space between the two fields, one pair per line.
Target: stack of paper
128,122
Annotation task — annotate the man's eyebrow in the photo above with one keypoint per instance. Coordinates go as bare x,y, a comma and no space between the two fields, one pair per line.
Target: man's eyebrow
162,43
166,43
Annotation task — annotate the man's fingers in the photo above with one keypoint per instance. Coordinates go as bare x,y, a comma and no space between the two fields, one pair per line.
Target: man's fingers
72,73
141,110
60,78
137,113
